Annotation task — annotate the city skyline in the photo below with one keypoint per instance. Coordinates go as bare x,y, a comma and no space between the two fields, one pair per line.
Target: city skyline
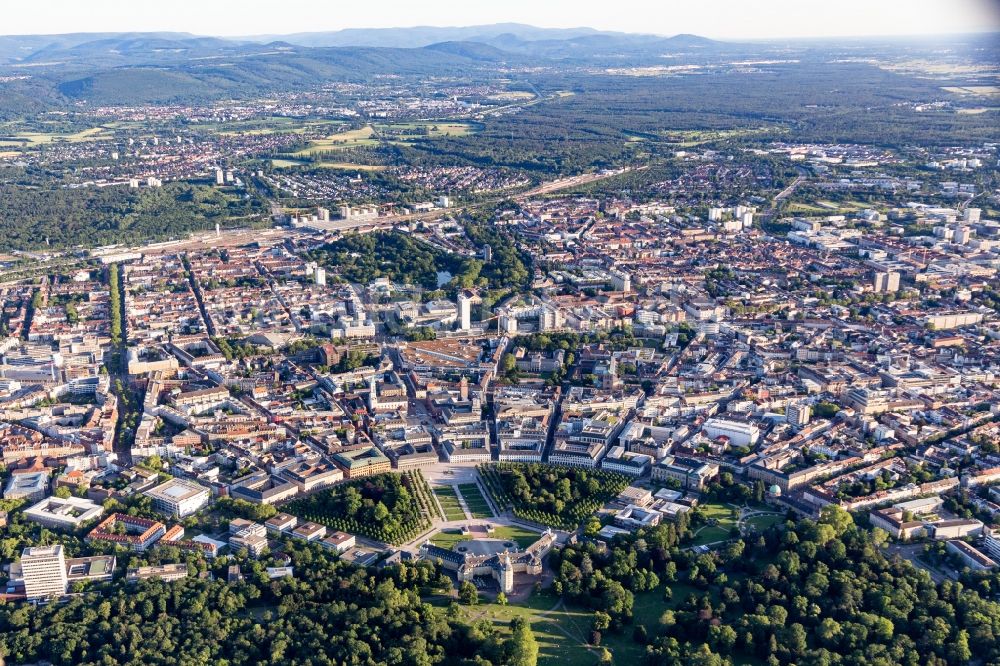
721,19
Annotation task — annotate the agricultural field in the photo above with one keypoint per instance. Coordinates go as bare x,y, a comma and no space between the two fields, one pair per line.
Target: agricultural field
823,207
350,166
273,125
973,90
362,136
805,209
512,96
448,500
433,129
393,133
287,164
474,500
33,139
691,138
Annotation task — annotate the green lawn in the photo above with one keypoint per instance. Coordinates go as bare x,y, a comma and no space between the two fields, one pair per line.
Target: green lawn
477,504
647,609
560,634
563,634
761,523
563,631
523,537
449,503
725,518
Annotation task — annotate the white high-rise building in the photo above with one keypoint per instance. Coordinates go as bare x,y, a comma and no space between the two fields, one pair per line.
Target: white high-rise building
44,571
621,280
321,276
962,235
747,219
465,309
798,414
971,215
732,226
885,282
220,177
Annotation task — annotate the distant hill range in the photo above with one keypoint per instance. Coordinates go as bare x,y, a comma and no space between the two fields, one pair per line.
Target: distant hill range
419,36
39,72
501,35
47,71
171,47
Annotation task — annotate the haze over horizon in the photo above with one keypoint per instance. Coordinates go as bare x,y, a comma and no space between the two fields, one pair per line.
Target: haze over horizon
719,19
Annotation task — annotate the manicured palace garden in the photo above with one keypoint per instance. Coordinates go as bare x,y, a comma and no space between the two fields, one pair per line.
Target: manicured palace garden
392,508
560,497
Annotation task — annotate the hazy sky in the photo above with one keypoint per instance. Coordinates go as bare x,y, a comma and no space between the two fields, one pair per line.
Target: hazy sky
749,19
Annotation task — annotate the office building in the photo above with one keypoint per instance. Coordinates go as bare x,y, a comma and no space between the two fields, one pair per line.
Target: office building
465,309
178,497
44,571
69,513
740,433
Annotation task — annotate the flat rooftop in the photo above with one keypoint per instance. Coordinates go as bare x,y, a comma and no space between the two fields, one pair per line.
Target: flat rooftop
176,489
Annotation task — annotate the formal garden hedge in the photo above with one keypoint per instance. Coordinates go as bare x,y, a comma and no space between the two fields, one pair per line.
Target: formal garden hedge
561,497
392,508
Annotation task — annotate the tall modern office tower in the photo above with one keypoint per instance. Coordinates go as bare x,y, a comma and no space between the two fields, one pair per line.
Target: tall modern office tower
44,571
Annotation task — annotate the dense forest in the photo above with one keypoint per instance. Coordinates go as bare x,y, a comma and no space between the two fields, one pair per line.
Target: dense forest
330,612
816,593
110,215
602,121
405,259
364,258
